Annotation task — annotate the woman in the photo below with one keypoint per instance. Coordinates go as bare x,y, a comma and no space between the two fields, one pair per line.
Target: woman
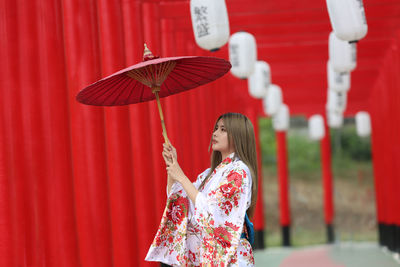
204,222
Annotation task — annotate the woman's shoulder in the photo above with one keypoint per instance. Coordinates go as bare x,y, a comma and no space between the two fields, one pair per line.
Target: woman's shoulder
239,165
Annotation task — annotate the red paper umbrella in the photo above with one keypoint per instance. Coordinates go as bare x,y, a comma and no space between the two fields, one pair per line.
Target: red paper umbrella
153,78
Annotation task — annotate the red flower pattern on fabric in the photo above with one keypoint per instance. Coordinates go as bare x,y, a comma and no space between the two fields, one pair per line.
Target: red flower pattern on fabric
177,210
227,160
160,238
228,190
232,226
235,177
226,207
222,236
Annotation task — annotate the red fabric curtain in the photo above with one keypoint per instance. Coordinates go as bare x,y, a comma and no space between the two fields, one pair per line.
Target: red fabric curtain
83,185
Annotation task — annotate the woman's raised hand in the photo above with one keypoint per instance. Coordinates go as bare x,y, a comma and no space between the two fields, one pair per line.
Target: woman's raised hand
170,157
169,154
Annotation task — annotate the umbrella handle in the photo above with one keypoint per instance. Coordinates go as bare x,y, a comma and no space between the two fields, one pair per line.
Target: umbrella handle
162,125
161,117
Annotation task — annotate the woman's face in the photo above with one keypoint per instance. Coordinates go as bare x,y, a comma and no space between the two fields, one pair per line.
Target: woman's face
220,139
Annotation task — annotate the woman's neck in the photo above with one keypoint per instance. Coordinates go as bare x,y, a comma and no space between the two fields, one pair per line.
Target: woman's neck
226,154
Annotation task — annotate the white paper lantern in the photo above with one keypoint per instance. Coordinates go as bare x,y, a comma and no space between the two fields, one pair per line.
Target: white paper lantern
334,119
337,101
273,100
260,80
347,19
363,123
242,54
210,23
337,81
316,127
342,54
280,121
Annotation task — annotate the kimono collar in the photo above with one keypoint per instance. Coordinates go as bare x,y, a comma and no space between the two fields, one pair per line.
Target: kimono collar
227,160
230,157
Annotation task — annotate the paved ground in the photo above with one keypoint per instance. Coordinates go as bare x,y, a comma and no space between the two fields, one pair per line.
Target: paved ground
343,255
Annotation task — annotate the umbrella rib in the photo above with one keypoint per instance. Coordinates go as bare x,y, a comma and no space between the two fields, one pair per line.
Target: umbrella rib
153,74
159,71
191,66
165,70
207,71
138,75
149,71
118,88
207,79
93,90
219,74
121,91
133,89
172,78
214,64
141,93
167,88
109,91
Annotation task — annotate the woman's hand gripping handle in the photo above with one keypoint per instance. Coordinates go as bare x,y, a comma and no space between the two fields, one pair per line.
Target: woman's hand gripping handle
169,154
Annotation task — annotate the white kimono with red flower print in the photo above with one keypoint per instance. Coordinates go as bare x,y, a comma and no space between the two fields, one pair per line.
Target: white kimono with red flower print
208,233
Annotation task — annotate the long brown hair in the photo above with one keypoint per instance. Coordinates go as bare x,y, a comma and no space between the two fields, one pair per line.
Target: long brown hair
241,133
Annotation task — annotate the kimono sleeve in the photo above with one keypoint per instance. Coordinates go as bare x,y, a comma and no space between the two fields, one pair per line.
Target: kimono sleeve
169,245
177,186
220,216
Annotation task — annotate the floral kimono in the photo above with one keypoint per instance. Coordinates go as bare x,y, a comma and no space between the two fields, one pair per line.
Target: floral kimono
207,233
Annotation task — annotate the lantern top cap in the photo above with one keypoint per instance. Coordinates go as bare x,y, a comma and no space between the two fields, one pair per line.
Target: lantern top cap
147,54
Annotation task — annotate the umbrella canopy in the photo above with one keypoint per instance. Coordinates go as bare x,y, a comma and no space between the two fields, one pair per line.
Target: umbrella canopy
153,78
169,76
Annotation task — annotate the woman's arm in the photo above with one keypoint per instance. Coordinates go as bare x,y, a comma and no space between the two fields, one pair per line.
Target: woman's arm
169,184
168,160
175,174
187,185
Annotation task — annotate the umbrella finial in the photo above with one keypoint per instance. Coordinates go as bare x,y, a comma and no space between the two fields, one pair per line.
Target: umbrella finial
147,55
